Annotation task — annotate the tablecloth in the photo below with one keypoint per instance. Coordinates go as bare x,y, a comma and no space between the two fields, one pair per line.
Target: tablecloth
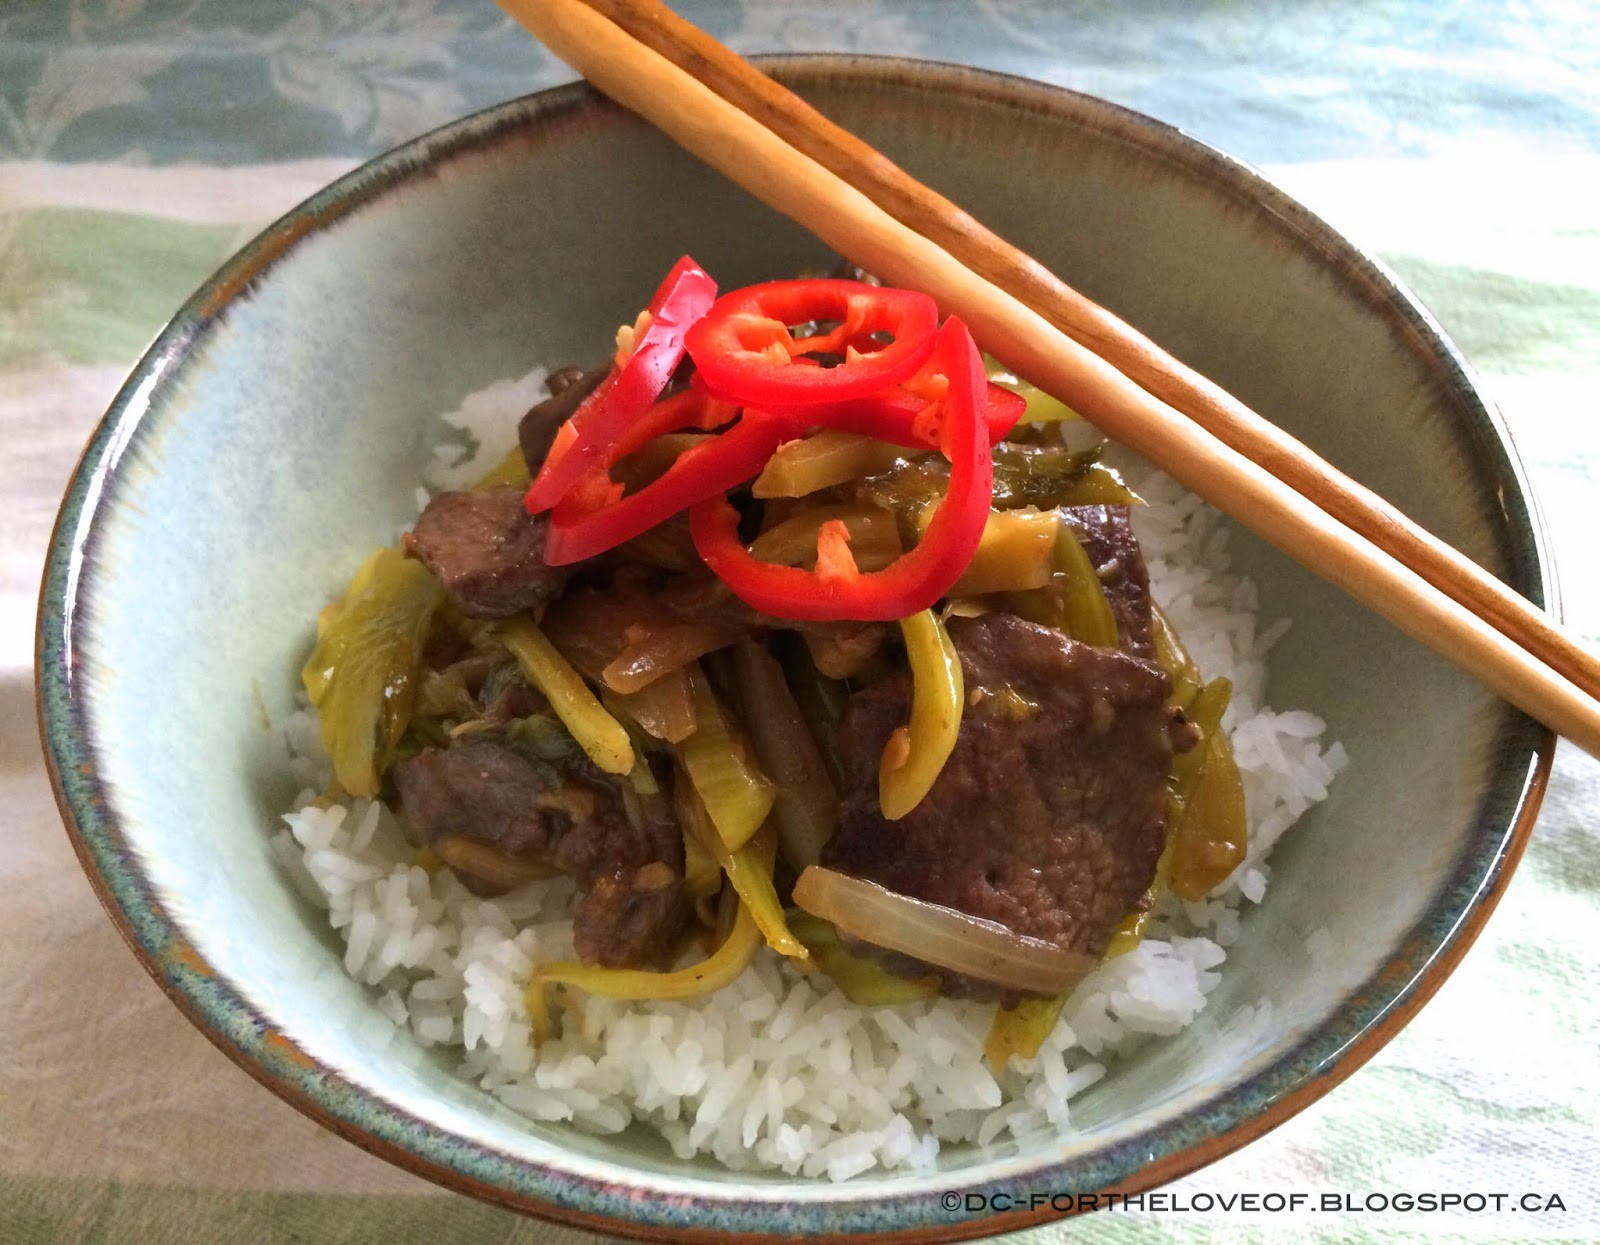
141,141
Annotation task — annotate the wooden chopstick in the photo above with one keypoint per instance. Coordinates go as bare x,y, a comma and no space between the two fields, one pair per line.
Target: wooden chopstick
755,157
1089,324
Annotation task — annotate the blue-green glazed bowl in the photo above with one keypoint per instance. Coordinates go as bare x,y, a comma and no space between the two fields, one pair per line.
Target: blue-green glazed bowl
273,436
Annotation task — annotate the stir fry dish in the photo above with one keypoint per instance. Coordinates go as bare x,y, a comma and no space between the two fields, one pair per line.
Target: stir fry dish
792,628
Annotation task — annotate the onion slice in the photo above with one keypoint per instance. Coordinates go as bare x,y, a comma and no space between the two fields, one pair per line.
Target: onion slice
938,935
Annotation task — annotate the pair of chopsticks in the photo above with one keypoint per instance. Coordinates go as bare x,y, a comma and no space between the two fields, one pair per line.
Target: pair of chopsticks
788,155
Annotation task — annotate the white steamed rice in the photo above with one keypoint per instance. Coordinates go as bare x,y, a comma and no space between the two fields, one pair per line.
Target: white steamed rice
780,1071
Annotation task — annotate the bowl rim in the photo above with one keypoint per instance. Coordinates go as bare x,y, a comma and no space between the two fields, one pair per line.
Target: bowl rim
1373,1013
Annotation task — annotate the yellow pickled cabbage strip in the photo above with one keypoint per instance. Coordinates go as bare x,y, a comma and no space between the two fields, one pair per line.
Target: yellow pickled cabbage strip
1186,688
1083,599
748,868
916,753
702,875
1099,485
1205,711
863,981
1074,601
874,536
1128,934
1018,1032
737,795
750,871
362,673
721,968
600,735
1015,552
822,460
1211,838
1208,836
1172,657
1041,408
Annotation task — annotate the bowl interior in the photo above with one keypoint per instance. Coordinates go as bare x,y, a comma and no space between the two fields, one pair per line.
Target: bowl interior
272,439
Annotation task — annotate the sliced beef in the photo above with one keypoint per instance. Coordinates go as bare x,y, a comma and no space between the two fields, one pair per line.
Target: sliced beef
635,907
632,919
498,816
1107,537
479,788
488,552
1051,811
593,626
564,378
689,616
568,387
619,834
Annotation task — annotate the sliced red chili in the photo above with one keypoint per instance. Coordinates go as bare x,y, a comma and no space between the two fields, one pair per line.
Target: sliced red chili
901,417
588,439
746,349
693,407
594,516
837,590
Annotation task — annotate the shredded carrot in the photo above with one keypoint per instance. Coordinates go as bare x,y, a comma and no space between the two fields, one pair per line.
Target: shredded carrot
834,559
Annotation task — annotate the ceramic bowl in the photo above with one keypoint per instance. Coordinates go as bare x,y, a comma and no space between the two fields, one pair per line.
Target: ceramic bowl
273,434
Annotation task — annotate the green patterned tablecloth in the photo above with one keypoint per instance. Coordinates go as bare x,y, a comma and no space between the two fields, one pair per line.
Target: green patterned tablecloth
141,141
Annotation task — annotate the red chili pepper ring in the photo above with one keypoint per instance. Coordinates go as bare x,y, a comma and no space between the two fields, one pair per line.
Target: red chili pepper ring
914,581
626,393
745,348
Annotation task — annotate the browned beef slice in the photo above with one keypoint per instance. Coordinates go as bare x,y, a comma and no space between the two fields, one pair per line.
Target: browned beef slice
631,920
488,552
635,906
478,788
568,387
1107,537
574,818
1048,820
608,841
